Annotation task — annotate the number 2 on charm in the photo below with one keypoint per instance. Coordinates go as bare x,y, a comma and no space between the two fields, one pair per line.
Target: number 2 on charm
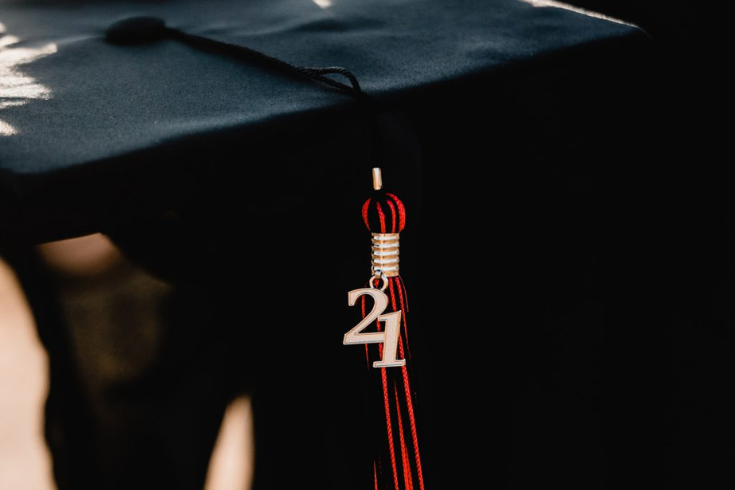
388,337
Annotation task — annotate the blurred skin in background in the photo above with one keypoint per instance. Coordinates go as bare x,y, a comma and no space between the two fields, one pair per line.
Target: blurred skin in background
25,462
111,309
85,257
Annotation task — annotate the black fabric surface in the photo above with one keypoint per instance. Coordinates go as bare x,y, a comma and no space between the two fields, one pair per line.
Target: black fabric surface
571,287
96,116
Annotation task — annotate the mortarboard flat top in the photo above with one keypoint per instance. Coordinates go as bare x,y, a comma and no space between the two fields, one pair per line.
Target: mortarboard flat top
77,111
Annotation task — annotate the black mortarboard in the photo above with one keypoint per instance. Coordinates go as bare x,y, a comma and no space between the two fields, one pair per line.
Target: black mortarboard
85,114
238,137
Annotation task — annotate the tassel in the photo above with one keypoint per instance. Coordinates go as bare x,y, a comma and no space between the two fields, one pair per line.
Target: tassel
384,331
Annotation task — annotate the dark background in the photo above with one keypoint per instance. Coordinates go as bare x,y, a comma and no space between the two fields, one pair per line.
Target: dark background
597,294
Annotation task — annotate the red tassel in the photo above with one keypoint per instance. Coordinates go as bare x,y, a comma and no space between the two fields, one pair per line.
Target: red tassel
397,464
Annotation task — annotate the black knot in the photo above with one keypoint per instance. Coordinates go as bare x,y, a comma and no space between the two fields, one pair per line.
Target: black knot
136,30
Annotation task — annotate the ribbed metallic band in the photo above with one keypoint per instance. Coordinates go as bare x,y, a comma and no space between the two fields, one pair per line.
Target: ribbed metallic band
385,254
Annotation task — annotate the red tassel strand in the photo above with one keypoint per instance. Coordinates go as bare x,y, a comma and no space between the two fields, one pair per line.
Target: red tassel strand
397,464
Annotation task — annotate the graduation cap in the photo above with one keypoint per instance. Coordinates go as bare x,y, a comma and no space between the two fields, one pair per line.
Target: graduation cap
81,111
179,127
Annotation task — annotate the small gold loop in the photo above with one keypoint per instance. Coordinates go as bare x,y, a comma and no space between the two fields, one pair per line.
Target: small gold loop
379,275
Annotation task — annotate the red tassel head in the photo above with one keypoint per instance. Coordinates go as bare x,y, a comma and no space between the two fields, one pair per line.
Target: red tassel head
384,213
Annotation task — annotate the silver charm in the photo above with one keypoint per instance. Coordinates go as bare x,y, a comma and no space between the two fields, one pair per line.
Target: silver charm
388,337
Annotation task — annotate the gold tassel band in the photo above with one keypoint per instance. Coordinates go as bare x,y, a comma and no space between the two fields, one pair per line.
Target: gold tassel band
385,254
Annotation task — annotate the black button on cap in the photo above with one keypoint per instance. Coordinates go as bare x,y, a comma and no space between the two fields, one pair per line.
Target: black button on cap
136,30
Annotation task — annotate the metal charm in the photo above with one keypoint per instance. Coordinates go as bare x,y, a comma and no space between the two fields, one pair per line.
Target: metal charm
387,337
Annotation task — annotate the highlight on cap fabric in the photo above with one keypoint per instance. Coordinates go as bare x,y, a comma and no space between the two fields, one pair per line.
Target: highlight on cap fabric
573,8
17,88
